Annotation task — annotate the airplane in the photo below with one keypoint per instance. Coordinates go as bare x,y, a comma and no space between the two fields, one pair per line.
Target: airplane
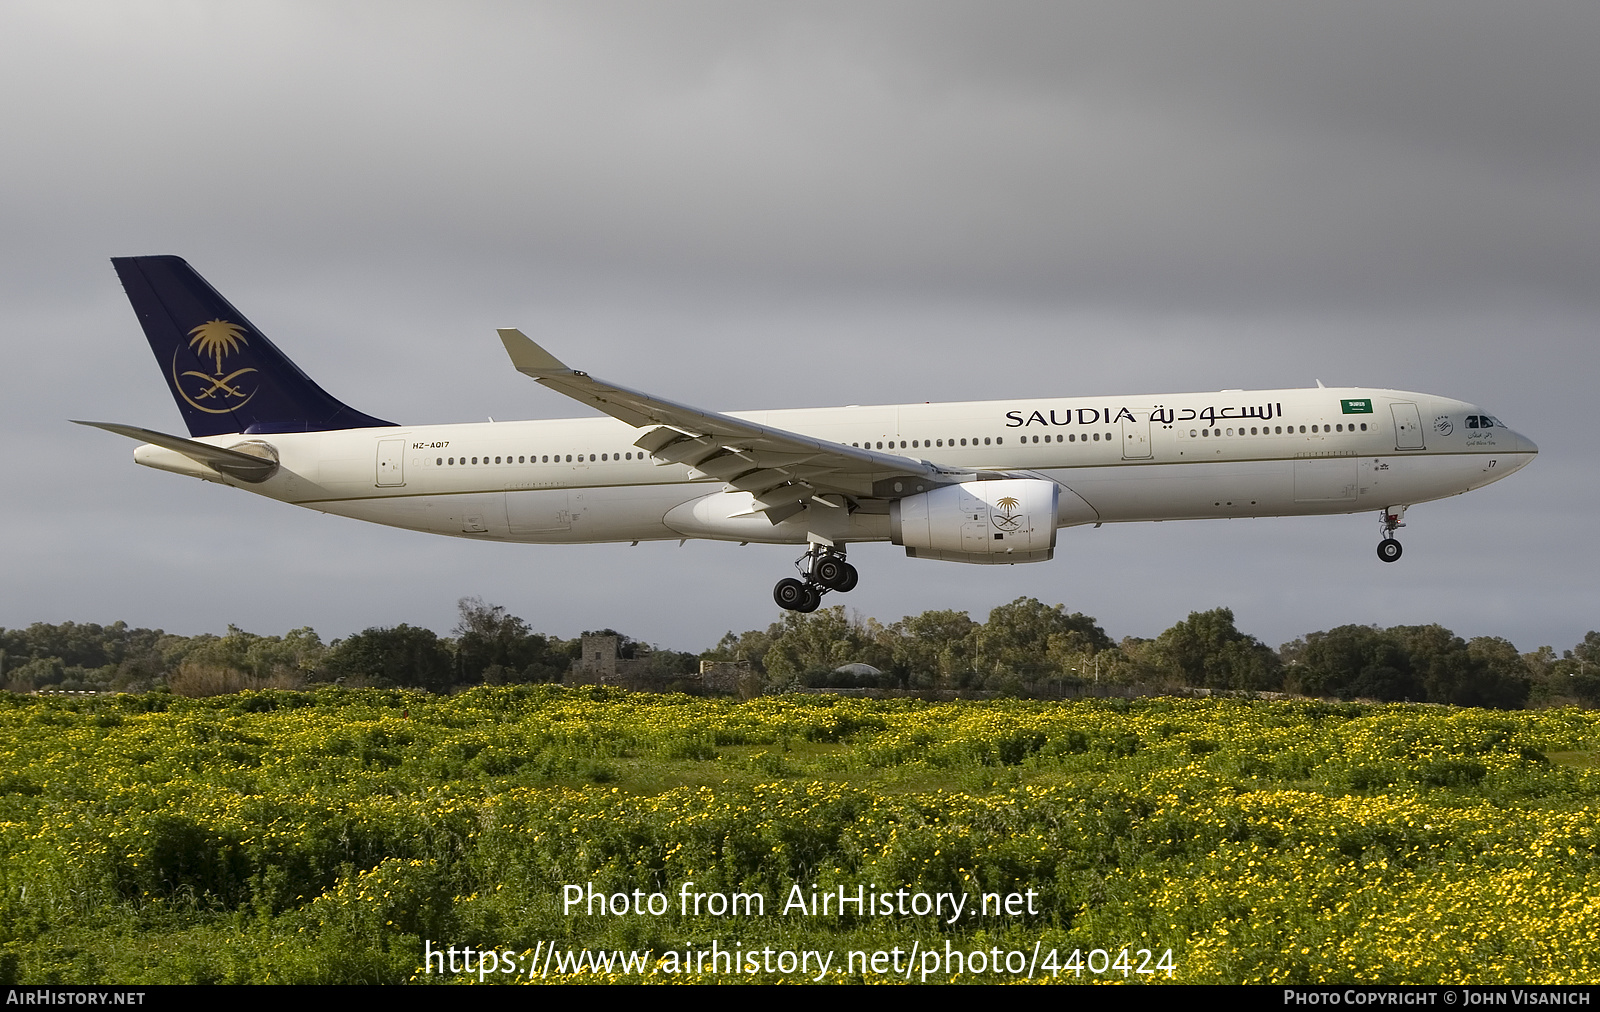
987,482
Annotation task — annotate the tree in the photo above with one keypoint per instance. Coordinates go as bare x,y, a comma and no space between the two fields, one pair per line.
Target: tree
283,661
1207,650
1426,663
87,656
495,646
933,648
1351,661
751,646
1020,638
1507,675
1579,668
403,656
1450,673
809,647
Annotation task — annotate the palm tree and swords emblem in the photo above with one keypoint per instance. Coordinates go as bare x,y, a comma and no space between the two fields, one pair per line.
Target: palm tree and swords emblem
1008,519
222,392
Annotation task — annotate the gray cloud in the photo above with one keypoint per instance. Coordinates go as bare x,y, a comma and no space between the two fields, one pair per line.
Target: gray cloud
892,202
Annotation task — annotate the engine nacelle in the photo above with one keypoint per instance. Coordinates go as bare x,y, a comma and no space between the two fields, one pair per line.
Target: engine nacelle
992,522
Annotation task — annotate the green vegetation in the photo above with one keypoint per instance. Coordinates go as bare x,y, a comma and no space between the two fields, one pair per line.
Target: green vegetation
1025,649
328,836
273,808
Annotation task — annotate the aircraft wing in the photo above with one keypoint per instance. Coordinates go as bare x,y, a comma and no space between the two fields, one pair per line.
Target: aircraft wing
782,470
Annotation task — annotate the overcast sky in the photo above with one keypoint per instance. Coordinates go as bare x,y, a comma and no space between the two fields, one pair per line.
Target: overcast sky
768,205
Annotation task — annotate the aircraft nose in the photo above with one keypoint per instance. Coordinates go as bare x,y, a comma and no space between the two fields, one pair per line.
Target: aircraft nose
1525,445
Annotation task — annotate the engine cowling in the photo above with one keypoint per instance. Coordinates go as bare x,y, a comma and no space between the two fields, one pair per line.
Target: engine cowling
1001,522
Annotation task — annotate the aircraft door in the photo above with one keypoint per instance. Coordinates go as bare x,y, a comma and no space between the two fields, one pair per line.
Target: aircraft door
391,458
1407,426
1136,439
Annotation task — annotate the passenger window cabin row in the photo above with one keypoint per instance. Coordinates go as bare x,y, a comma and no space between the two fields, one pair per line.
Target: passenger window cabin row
1473,422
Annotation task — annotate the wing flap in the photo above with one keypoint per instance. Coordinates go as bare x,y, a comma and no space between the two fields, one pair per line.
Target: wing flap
727,465
655,439
689,451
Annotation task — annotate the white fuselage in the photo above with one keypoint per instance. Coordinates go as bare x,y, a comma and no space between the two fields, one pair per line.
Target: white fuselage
1117,459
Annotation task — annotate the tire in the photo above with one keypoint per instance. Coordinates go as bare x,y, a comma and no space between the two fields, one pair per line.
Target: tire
829,571
812,601
851,577
791,595
1389,550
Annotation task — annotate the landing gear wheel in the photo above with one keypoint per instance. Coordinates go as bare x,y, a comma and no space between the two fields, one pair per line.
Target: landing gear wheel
822,569
1388,549
830,571
791,595
850,579
812,601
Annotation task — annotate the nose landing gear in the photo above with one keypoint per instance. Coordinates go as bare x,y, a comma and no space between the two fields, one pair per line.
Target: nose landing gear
822,569
1389,548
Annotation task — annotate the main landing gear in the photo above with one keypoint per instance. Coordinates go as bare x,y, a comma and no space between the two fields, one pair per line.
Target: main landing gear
1389,548
822,569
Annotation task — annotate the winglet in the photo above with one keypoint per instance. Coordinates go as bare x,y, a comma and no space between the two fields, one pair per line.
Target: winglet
528,357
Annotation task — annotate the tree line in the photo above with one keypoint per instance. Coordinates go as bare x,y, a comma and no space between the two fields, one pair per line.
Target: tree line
1024,648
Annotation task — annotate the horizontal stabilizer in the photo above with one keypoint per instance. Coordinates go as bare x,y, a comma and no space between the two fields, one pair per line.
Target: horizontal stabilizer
250,467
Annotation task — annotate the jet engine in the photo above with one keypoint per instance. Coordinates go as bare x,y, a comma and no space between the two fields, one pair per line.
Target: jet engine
1000,522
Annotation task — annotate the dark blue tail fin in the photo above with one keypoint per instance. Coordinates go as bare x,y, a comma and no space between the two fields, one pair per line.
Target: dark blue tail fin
224,373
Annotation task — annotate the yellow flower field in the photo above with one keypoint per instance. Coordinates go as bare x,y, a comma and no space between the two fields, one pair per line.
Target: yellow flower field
343,836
